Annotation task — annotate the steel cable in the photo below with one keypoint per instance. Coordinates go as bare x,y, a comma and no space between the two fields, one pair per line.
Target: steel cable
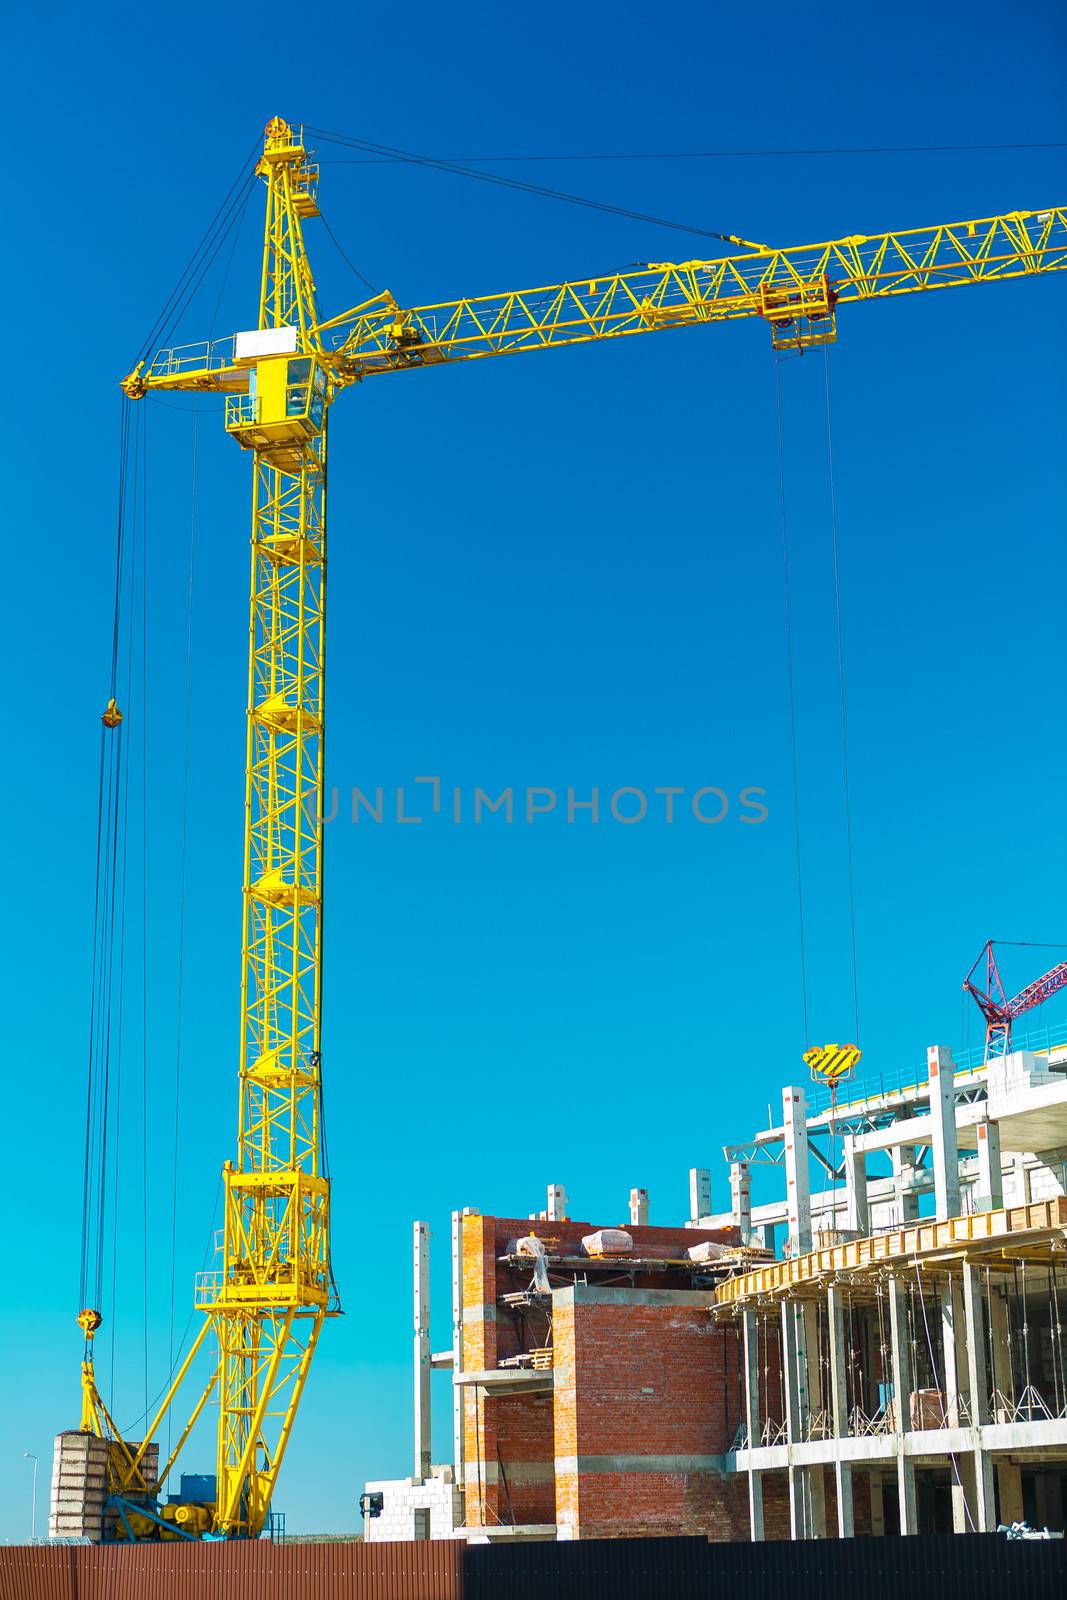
392,153
792,693
841,696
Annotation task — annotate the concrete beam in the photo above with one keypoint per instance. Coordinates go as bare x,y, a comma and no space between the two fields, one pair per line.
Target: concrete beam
925,1444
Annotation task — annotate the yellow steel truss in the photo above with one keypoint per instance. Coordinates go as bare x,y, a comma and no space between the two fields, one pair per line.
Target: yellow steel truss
267,1302
796,290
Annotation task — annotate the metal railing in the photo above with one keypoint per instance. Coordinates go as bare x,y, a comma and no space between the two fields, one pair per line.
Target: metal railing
242,410
204,354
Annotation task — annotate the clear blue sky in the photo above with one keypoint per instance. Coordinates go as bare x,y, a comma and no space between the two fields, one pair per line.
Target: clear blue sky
561,571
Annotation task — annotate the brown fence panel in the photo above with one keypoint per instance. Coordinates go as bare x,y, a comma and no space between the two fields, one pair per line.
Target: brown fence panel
36,1572
260,1571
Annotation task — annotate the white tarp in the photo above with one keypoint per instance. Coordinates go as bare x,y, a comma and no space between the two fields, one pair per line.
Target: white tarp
608,1242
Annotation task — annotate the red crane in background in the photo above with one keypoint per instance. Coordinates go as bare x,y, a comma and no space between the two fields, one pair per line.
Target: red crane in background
998,1010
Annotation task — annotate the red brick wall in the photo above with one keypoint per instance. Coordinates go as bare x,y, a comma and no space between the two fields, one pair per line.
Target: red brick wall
611,1349
678,1352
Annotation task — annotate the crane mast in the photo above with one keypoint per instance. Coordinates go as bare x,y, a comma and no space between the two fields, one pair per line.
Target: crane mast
267,1300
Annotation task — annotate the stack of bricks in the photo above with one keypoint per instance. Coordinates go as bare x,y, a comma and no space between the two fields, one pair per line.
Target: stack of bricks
79,1486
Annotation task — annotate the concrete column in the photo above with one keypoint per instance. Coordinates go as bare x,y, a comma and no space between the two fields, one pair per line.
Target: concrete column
839,1408
902,1385
1048,1502
767,1232
457,1346
857,1213
977,1374
989,1191
1000,1338
812,1398
752,1419
954,1344
699,1193
807,1502
793,1421
639,1208
797,1175
963,1494
741,1198
977,1383
1010,1485
557,1203
421,1353
903,1160
943,1147
877,1505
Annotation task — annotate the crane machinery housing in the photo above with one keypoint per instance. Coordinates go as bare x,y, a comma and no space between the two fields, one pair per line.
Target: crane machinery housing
267,1303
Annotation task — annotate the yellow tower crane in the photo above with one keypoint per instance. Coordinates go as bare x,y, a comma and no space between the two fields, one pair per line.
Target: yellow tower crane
267,1303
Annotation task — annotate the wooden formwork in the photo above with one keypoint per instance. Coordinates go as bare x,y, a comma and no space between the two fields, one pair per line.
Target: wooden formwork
984,1234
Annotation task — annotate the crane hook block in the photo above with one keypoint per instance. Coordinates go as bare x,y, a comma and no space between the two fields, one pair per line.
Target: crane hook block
832,1062
89,1321
111,716
133,384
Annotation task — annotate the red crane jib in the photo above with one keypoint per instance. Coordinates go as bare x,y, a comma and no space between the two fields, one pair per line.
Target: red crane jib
1037,992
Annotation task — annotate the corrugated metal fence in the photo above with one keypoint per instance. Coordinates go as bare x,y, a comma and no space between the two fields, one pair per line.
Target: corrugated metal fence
977,1566
981,1566
425,1571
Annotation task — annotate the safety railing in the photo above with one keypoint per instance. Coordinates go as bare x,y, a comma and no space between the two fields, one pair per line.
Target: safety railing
205,354
242,410
206,1289
906,1080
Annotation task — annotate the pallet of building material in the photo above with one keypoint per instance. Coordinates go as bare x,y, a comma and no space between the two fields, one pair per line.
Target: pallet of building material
542,1358
79,1486
707,1250
929,1408
608,1242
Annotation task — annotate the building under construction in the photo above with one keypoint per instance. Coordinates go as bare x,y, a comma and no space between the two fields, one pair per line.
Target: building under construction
639,1380
900,1368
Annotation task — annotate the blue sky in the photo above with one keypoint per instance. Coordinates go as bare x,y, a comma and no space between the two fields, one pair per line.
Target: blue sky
561,572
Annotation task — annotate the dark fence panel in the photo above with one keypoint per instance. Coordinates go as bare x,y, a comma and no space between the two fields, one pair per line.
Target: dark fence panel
261,1571
976,1566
